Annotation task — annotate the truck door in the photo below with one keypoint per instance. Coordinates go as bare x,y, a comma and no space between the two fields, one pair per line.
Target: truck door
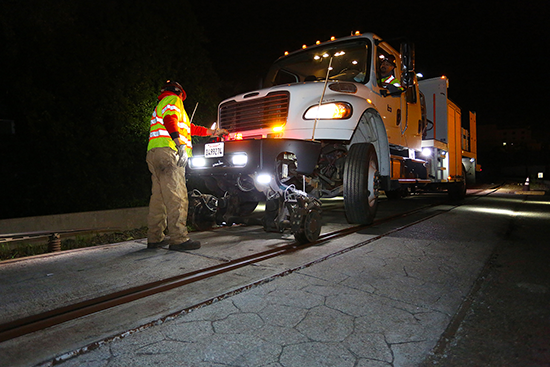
393,108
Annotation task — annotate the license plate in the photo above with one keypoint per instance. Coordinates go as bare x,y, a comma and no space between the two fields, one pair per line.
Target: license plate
213,150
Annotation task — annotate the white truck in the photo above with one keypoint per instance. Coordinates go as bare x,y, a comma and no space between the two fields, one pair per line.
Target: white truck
323,126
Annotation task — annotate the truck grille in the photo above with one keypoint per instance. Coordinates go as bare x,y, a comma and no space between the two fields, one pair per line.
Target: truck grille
256,113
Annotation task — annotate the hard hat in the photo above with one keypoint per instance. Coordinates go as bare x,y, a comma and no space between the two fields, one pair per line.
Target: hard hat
390,59
174,87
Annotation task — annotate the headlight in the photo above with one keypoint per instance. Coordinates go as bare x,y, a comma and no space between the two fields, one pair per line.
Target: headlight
239,159
329,111
263,178
197,162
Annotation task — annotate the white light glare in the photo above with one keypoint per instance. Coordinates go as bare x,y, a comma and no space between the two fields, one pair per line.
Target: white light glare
426,152
239,159
263,178
213,127
198,162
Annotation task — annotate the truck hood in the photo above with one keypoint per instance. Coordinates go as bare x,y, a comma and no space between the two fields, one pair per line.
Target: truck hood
307,92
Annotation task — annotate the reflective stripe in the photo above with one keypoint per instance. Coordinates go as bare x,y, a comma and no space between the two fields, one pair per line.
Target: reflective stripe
186,141
184,126
170,107
391,80
155,119
158,135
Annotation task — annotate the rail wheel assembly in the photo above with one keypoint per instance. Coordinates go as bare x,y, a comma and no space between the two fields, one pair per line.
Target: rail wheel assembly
202,210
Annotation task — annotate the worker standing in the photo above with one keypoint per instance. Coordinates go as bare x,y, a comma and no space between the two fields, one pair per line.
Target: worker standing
167,152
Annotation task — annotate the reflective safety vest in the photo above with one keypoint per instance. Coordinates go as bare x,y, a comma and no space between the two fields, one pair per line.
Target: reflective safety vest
159,137
390,79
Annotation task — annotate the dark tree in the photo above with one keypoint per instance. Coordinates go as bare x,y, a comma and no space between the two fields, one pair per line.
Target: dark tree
80,80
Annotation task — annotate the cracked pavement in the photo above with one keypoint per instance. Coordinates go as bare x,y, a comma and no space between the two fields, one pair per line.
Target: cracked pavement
384,304
389,302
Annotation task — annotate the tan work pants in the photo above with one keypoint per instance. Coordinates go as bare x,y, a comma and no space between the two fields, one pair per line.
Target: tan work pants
168,204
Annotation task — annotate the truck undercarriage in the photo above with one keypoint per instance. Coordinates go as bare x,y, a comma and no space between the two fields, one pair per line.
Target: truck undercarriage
290,194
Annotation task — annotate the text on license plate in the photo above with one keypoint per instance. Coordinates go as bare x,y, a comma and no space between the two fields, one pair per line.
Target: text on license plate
213,150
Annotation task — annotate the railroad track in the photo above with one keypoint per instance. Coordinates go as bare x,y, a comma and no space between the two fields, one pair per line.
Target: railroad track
60,315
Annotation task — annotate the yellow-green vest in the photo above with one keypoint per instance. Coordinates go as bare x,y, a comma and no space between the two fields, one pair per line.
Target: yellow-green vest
158,135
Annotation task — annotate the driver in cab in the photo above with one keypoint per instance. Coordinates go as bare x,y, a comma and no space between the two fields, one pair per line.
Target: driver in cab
387,75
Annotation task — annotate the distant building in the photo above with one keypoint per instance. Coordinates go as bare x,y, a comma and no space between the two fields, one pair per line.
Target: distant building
513,152
491,136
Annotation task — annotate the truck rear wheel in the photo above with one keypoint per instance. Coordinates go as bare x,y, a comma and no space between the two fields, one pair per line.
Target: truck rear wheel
361,183
457,190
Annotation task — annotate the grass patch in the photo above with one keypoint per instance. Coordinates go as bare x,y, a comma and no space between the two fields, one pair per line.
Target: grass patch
14,250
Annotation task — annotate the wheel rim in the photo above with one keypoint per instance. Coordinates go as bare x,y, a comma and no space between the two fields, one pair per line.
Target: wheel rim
373,181
312,225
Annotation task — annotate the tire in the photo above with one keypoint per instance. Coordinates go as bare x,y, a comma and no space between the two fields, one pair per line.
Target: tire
457,191
361,184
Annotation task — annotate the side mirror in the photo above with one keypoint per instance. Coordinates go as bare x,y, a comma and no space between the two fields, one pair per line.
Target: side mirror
407,57
408,79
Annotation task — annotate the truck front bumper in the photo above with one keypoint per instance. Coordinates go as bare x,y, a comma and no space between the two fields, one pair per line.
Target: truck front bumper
237,157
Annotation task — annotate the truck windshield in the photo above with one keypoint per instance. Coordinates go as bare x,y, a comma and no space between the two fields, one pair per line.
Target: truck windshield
349,63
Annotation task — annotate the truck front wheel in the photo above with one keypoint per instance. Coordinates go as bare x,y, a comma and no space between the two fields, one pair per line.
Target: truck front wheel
361,183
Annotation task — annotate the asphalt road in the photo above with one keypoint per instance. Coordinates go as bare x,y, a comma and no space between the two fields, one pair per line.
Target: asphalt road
470,283
506,320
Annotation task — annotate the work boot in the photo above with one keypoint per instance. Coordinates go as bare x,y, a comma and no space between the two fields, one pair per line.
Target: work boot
157,244
187,245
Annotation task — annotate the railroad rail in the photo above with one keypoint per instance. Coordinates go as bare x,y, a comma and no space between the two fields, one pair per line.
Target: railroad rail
60,315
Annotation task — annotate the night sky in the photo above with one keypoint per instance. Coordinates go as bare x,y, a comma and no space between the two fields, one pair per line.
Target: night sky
492,52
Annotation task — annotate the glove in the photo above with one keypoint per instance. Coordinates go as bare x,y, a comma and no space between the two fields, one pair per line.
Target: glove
182,155
218,132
